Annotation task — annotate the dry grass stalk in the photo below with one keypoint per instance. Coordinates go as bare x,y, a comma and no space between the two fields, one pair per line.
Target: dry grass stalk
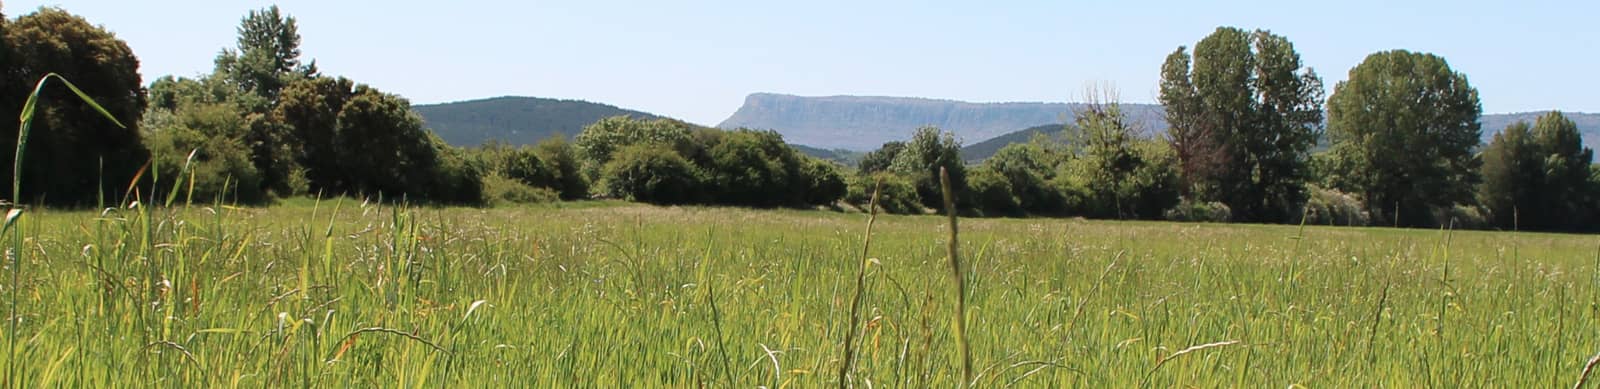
861,283
1587,368
1191,349
961,284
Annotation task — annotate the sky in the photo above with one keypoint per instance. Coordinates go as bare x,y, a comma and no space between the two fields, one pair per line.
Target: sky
697,60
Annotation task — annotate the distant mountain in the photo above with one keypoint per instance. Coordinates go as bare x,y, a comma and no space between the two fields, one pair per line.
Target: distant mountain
985,149
863,123
515,120
843,157
1588,125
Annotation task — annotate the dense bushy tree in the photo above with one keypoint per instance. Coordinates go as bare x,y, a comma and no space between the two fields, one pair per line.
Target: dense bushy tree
992,193
356,140
1243,121
879,160
310,109
754,168
597,142
1028,169
896,194
1404,126
73,151
1538,178
213,134
929,150
650,173
559,157
822,183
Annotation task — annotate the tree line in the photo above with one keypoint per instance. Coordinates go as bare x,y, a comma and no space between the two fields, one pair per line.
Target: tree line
1252,136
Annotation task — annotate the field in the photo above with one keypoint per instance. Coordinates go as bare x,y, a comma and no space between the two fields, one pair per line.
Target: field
613,295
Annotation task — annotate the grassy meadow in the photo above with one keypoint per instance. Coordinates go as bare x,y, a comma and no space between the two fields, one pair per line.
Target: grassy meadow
341,293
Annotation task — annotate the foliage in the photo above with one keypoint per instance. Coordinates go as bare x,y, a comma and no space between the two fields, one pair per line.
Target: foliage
596,143
1334,208
1199,211
1028,169
755,168
498,190
650,173
74,153
823,185
1538,178
1404,127
992,194
267,57
220,169
929,150
516,120
897,195
880,159
1243,121
562,161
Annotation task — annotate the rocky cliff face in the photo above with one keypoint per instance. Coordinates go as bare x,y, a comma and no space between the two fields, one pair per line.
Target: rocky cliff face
864,123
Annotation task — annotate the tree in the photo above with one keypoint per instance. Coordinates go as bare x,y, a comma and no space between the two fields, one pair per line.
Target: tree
73,151
1538,178
1108,152
992,193
561,159
1243,121
1404,126
929,150
1028,169
381,145
310,109
880,159
650,173
755,168
821,182
267,57
597,142
1511,175
1192,140
220,169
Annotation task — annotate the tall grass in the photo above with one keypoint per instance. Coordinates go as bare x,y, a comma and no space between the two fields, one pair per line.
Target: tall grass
340,293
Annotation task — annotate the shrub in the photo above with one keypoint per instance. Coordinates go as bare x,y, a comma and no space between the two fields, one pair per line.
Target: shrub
1195,211
1327,206
897,195
991,193
650,173
499,190
823,184
1462,217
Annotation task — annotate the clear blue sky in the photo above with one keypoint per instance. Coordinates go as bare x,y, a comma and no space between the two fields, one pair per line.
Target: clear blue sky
697,60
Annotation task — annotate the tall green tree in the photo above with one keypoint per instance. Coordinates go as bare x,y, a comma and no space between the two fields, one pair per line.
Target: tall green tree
1404,126
1538,178
310,109
880,159
73,151
1243,121
929,150
1511,175
265,61
267,57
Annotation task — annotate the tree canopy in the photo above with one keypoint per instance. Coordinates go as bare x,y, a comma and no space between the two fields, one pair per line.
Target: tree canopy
1404,127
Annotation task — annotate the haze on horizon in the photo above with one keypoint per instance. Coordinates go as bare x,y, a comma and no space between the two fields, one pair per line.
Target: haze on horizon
698,61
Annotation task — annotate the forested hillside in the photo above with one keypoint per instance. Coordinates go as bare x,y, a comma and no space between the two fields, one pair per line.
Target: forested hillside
515,120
